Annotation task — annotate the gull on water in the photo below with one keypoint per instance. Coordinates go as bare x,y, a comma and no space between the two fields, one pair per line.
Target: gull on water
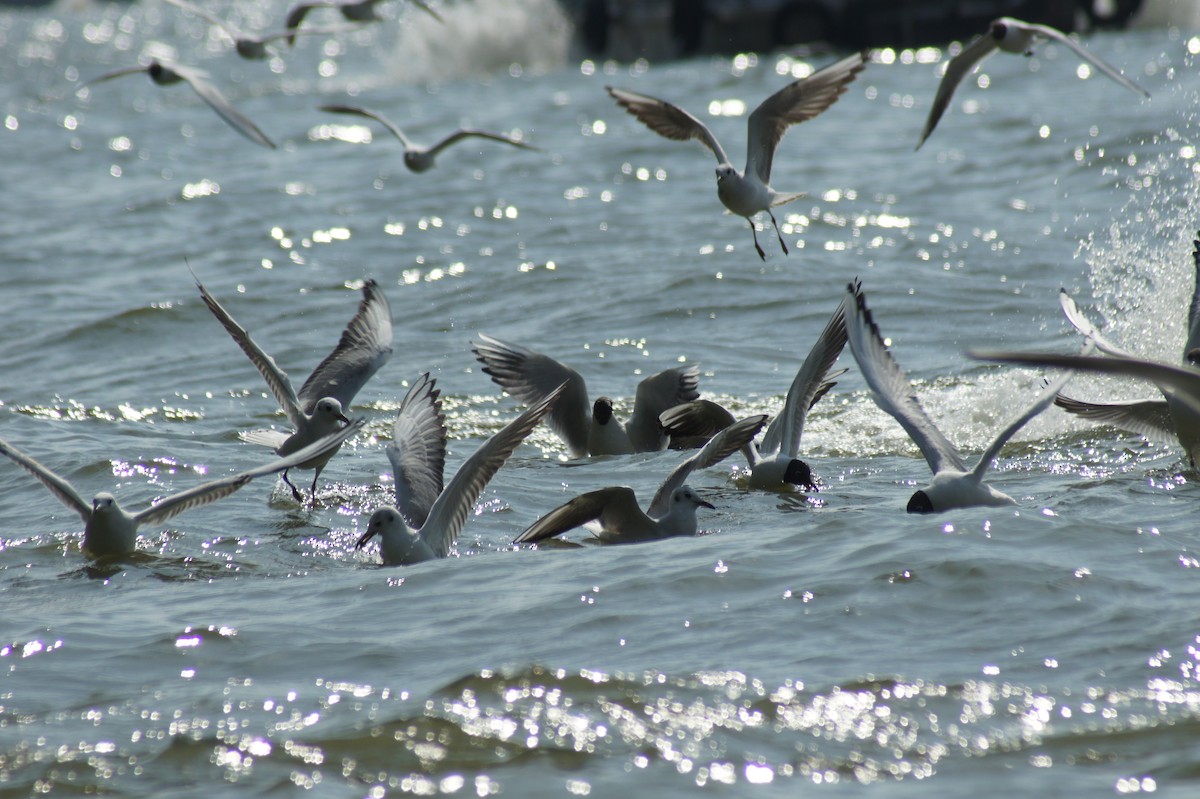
587,428
167,74
952,485
1011,36
775,463
111,530
351,10
254,46
427,518
416,157
672,512
314,412
746,193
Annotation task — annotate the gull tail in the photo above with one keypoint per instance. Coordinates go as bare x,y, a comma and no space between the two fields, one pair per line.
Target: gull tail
784,199
264,438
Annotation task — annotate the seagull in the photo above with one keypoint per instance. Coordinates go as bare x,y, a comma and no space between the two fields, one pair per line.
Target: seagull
1011,36
352,10
167,74
747,193
365,345
111,530
775,463
952,485
426,520
529,376
672,512
416,157
251,46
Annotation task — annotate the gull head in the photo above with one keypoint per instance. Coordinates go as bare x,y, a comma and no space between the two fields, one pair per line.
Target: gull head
920,503
104,503
385,523
799,474
686,495
725,171
602,410
1192,356
330,409
999,30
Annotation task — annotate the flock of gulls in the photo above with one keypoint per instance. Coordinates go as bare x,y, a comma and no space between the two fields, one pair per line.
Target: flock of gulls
429,512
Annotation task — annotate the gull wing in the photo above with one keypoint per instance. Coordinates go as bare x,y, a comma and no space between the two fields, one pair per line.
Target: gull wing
530,376
1149,418
208,16
172,506
354,110
418,451
58,485
656,394
785,430
695,421
116,73
718,448
667,120
956,70
466,133
449,512
1047,32
797,102
1193,340
891,388
209,94
617,504
277,380
1180,383
297,13
365,345
1085,326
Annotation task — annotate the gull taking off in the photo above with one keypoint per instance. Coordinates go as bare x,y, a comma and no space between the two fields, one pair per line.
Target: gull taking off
587,428
365,345
775,463
672,512
168,74
250,46
1011,36
746,193
427,519
111,530
952,485
416,157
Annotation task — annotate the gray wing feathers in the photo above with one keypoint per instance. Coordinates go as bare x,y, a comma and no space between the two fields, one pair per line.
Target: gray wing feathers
418,451
1149,418
1086,327
1091,58
617,501
58,486
718,448
657,394
466,133
362,112
956,70
1193,340
236,119
365,345
667,120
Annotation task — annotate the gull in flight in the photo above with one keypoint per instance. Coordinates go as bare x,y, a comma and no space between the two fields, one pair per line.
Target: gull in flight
746,193
365,345
251,46
111,530
168,74
426,520
416,157
587,428
952,485
672,512
775,463
351,10
1011,36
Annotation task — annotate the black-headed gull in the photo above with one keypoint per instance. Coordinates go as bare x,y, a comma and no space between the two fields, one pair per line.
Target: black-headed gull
167,74
314,412
111,530
672,512
426,520
416,157
1011,36
352,10
775,463
253,46
587,428
746,193
953,486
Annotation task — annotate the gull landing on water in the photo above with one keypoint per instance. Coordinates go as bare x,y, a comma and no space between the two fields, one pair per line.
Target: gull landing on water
365,345
672,512
168,74
416,157
953,486
746,193
427,518
1011,36
110,530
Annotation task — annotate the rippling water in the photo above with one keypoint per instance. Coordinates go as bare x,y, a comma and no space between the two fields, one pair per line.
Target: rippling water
1049,648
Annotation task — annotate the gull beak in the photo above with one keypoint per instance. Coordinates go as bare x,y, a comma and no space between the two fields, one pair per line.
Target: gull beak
702,504
344,418
364,538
